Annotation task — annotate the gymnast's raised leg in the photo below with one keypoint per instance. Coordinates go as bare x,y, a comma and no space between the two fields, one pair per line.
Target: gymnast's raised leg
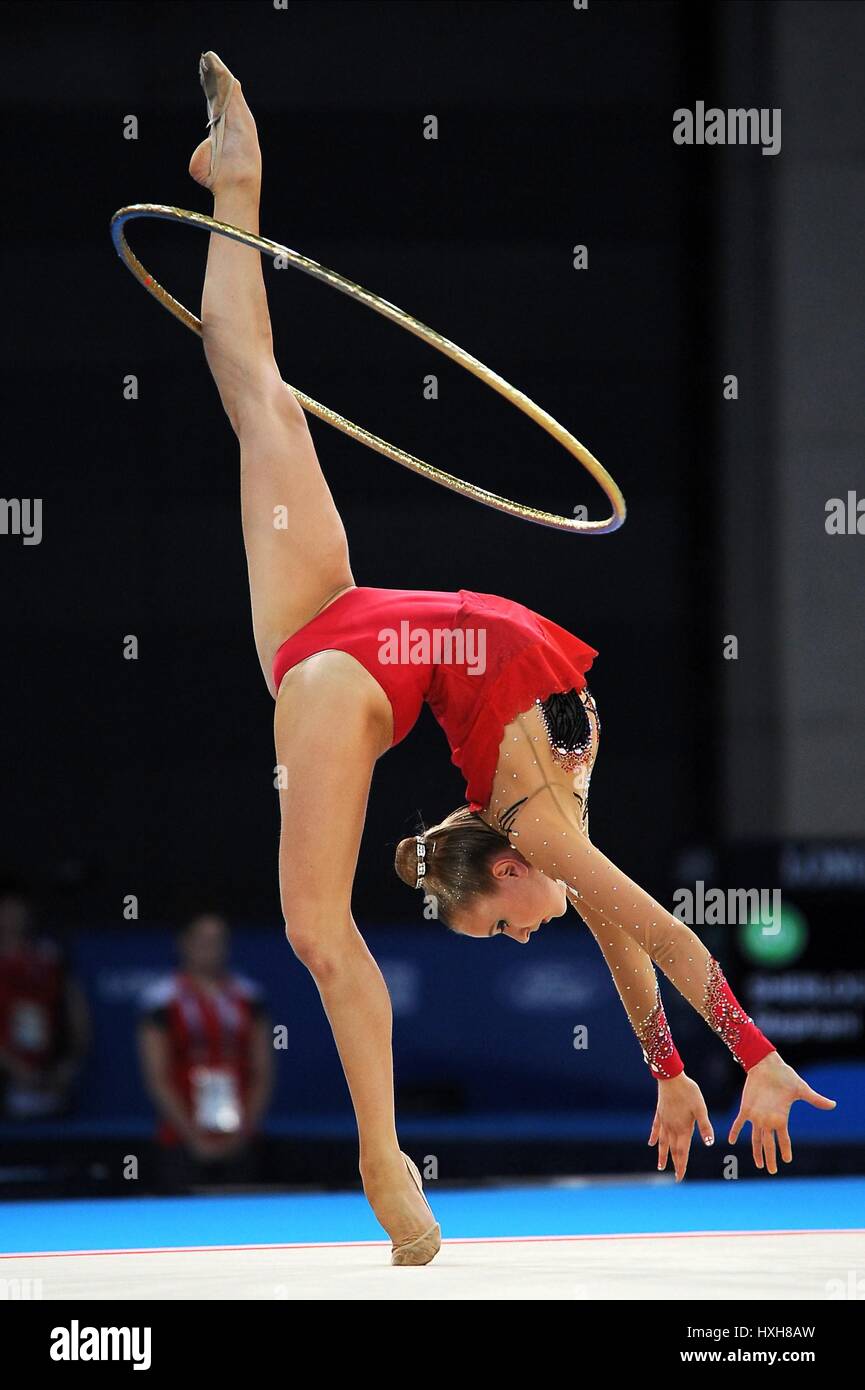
332,719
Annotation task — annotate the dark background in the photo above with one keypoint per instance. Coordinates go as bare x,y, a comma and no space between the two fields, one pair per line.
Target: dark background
154,777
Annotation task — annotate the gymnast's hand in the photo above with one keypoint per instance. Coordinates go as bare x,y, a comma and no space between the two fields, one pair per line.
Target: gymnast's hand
680,1107
770,1089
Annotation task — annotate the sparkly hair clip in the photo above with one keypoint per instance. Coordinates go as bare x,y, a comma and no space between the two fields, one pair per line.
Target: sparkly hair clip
420,845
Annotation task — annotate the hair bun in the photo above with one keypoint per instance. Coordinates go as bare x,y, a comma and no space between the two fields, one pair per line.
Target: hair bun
405,860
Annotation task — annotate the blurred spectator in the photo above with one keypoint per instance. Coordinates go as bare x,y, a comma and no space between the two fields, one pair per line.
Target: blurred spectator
44,1024
207,1060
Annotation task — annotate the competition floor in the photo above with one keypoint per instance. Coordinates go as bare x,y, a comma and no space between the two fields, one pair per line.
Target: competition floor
779,1238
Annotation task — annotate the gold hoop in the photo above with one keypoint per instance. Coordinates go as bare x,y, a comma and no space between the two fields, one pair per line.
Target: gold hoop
420,330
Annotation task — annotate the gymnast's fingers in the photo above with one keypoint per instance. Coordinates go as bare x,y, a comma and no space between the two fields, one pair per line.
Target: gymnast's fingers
680,1156
756,1144
736,1128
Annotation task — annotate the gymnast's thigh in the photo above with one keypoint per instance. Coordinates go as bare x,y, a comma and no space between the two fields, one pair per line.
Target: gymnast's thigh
329,731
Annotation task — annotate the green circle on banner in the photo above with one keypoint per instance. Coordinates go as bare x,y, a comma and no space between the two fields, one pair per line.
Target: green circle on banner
770,940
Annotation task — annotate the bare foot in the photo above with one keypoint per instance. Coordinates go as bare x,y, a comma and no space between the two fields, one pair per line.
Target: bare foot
240,162
398,1206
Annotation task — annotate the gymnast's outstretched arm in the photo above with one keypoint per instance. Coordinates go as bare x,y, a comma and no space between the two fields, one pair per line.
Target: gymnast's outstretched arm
680,1106
639,933
619,911
629,948
547,831
633,972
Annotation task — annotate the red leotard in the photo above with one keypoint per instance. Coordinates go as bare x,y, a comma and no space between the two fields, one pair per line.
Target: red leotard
479,660
476,659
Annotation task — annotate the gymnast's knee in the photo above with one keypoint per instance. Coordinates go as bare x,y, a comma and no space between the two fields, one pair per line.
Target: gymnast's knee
318,936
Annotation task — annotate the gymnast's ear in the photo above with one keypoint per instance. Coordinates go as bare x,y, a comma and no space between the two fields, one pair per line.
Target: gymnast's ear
509,864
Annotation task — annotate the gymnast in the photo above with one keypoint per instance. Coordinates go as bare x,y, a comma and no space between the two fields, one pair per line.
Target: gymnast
522,727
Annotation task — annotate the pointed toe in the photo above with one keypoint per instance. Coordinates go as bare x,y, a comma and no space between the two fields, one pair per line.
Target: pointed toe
419,1251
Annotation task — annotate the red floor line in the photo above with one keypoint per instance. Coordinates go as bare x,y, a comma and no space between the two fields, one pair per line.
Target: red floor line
456,1240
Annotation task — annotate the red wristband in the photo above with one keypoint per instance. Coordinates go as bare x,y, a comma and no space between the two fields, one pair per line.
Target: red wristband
729,1020
670,1067
753,1046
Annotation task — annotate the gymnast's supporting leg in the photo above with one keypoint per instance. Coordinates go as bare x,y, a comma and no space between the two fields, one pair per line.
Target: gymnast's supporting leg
321,733
327,750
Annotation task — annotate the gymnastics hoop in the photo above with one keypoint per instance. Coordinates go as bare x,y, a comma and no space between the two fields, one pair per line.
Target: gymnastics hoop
413,325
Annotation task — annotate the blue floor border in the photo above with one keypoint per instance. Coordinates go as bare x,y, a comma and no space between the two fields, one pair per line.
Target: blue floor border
577,1209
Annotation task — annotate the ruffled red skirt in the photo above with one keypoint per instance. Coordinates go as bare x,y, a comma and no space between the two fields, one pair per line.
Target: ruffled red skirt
529,658
478,660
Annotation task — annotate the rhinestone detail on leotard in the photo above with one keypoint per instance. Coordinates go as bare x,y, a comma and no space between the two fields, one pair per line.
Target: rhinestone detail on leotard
568,728
655,1037
721,1010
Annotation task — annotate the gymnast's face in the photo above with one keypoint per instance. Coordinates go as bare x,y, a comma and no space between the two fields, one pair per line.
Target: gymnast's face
521,900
